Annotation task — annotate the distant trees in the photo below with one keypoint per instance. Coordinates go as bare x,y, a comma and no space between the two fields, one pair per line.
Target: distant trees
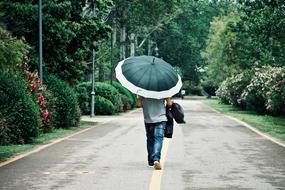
219,37
181,41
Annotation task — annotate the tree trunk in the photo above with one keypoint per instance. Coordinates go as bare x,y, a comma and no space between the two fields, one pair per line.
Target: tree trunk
113,44
123,42
101,73
132,44
149,47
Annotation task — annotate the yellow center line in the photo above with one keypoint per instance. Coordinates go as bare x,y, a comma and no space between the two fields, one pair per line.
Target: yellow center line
155,180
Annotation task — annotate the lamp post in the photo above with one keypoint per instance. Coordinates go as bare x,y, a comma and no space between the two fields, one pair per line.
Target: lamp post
40,42
93,81
156,51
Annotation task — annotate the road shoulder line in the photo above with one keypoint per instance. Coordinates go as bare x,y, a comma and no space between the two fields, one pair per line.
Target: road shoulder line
268,137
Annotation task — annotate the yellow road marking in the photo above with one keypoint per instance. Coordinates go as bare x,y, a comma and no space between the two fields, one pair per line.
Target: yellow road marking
155,180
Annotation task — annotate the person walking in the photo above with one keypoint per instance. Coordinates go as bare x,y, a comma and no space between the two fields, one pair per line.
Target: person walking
154,113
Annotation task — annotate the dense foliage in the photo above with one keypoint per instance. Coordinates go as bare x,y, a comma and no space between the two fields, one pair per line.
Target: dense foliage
11,51
246,39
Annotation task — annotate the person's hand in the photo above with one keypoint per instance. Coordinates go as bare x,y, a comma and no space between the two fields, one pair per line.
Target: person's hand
169,102
139,103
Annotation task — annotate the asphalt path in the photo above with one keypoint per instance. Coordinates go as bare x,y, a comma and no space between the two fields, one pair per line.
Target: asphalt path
210,151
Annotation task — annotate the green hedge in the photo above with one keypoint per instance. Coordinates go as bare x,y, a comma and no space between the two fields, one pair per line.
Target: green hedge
62,104
19,119
107,91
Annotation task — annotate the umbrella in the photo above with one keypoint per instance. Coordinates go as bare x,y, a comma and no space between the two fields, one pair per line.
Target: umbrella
149,77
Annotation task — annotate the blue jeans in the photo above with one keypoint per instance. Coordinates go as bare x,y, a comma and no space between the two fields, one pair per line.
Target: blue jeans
154,135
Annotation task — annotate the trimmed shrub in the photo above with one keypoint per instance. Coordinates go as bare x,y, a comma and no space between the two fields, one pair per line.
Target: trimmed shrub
101,89
62,103
103,106
129,99
19,119
109,92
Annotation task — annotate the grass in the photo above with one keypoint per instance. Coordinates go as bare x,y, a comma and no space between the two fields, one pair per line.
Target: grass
274,126
9,151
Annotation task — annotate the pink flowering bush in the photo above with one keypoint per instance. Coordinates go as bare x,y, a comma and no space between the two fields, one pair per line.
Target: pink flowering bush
275,103
38,92
223,92
254,94
261,90
231,89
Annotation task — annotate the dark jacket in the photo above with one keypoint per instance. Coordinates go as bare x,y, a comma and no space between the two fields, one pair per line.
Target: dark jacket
169,124
176,113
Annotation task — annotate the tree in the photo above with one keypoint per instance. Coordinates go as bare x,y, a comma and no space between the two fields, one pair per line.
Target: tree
266,26
68,34
222,45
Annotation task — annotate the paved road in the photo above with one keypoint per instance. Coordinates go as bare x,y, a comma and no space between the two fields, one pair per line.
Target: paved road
209,152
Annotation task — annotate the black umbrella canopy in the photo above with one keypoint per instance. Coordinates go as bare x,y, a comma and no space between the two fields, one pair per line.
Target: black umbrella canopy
150,73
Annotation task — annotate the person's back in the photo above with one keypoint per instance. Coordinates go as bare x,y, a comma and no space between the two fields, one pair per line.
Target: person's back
155,118
154,110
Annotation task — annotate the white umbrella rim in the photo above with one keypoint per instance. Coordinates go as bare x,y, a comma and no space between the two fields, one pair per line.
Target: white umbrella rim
143,92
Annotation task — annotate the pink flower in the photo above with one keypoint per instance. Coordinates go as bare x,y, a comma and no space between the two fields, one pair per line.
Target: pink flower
45,114
34,86
41,99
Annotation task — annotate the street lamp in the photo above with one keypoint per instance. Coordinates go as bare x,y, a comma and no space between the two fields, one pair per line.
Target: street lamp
40,42
156,51
93,81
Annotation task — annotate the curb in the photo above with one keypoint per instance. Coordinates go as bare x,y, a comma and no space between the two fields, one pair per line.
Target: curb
268,137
